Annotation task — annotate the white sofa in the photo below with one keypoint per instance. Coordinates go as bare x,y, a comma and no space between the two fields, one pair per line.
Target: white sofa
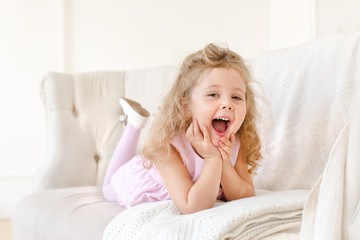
310,131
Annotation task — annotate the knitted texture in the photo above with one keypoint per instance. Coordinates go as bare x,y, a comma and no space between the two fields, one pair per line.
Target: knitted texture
310,90
249,218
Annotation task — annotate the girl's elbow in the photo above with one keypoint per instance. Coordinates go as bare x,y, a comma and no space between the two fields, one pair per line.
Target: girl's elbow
244,193
189,209
250,192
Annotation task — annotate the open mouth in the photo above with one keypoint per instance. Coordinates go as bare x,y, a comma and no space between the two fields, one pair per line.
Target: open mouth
220,125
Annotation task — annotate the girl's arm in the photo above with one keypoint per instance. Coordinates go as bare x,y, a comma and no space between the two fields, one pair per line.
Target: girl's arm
235,181
187,196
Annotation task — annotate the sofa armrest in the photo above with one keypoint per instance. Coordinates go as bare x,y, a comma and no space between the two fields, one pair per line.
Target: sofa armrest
82,125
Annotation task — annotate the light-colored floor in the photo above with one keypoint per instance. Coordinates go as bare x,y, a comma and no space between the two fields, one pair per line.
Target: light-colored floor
5,229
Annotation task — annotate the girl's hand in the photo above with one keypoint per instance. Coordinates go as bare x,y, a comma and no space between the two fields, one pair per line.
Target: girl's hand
225,148
201,141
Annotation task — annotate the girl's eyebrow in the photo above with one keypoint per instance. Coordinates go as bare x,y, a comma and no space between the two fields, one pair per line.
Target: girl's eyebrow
217,86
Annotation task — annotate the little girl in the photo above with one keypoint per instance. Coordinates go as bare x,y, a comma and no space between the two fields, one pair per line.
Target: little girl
193,155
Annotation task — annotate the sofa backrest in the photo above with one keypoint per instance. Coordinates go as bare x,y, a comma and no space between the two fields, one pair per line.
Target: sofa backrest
82,116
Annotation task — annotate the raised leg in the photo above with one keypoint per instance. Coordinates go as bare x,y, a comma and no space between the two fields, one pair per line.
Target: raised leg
135,117
124,151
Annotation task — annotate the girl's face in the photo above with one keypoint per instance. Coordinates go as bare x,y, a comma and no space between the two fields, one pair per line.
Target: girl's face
218,101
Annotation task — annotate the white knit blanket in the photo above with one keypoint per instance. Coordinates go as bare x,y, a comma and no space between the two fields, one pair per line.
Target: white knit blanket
249,218
332,211
310,89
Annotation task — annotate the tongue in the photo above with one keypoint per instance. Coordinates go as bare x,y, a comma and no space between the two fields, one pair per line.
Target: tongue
219,125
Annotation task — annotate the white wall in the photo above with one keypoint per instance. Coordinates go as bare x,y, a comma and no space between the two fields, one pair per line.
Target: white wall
291,22
88,35
337,16
138,33
29,46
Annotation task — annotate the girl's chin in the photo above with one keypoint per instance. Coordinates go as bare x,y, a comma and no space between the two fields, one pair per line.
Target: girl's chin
215,140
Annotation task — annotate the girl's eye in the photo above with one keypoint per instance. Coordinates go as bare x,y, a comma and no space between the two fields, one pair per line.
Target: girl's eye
237,98
213,95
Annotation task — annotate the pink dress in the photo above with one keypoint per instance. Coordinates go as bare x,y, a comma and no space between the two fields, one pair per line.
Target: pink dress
134,184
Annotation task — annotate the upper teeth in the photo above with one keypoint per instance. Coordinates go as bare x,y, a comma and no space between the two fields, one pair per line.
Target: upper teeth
225,119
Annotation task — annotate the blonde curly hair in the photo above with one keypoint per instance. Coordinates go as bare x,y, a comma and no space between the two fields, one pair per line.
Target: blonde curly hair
212,56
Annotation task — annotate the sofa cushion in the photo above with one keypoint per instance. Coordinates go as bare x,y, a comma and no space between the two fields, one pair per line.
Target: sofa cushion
65,213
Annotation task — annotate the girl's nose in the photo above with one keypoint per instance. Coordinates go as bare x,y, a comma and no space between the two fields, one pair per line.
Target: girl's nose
226,105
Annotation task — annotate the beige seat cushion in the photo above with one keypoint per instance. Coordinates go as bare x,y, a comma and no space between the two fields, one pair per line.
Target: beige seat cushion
66,213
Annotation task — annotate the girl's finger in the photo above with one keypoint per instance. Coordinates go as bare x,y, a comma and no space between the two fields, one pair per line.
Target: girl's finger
190,130
226,148
206,134
224,154
196,129
232,138
225,141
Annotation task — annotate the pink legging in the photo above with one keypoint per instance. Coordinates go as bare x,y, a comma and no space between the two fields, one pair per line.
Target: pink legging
124,151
